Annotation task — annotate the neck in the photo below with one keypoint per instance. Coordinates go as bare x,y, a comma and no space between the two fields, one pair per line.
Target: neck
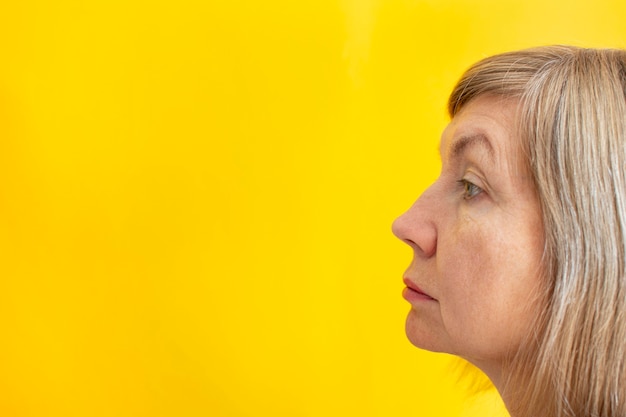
501,380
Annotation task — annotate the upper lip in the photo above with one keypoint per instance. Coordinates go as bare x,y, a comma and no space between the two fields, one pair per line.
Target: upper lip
410,284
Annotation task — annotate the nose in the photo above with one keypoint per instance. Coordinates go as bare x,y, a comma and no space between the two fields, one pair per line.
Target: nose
417,227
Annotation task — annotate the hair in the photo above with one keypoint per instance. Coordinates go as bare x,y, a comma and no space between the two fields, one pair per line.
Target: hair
572,130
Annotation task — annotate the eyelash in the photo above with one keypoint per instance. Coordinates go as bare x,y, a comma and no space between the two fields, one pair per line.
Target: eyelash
470,190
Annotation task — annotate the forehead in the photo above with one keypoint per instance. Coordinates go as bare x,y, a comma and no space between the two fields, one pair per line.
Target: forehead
485,124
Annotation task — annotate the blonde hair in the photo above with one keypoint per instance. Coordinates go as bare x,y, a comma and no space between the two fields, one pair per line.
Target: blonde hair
572,128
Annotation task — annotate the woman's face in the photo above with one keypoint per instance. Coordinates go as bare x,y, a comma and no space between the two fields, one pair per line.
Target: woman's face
477,241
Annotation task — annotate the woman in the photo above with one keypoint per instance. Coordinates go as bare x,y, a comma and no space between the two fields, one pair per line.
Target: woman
519,245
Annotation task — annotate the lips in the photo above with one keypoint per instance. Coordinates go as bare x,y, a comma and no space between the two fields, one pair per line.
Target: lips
414,293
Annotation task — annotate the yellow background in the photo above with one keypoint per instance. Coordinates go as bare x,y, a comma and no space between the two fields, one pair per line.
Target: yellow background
196,199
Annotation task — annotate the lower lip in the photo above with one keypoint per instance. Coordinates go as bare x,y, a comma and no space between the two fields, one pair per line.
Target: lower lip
412,295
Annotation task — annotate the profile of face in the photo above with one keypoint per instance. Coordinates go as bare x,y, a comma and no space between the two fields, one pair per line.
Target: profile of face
477,240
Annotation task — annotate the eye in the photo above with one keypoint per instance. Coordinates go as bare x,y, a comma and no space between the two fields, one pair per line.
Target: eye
470,190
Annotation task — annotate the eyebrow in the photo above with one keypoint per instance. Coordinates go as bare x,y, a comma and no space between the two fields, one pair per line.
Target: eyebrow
461,145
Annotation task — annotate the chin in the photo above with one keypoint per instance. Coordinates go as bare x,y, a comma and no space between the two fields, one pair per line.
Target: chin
423,336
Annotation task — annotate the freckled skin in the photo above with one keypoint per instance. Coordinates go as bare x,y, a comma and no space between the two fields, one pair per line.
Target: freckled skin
478,255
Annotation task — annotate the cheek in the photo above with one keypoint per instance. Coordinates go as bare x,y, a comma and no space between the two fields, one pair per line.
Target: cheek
464,270
463,261
484,291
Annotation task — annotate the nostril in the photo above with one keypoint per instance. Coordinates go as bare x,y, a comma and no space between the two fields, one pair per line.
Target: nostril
422,238
410,243
432,250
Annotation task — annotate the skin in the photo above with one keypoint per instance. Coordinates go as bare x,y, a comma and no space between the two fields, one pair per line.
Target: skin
477,241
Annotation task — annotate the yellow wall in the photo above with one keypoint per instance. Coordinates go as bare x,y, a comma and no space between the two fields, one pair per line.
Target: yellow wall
196,198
